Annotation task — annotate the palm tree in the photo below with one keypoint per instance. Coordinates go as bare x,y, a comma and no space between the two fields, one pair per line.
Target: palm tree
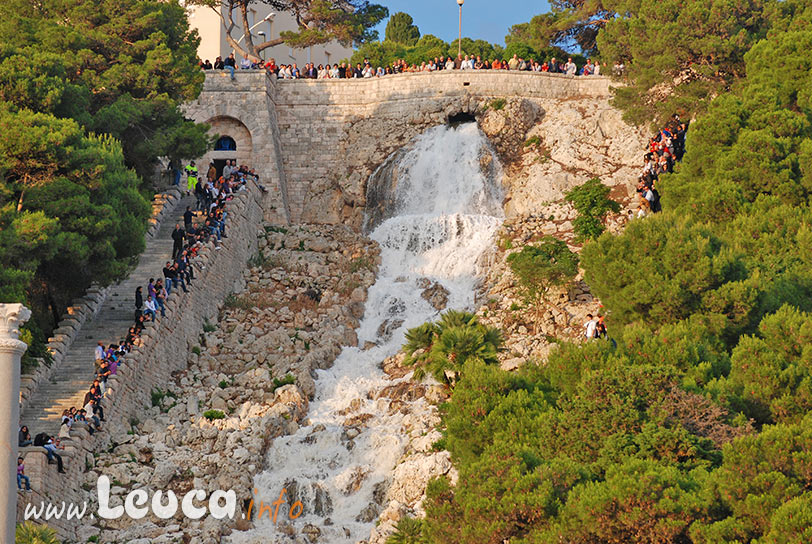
418,342
442,349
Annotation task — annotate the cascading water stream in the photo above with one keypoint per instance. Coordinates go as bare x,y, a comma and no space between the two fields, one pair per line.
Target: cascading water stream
440,214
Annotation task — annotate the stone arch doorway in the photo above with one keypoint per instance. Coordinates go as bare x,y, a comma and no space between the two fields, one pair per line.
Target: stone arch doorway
234,142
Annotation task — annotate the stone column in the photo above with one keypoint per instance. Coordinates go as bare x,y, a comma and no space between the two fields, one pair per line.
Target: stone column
11,349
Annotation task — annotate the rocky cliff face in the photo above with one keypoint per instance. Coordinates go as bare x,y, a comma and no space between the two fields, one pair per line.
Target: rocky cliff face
572,142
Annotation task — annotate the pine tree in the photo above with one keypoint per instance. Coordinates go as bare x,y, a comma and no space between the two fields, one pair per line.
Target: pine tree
401,29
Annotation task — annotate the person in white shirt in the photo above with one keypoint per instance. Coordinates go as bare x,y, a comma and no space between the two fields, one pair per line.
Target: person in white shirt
596,70
149,307
570,68
590,327
649,196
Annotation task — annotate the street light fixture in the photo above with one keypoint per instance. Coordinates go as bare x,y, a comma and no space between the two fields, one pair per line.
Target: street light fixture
459,41
267,18
262,34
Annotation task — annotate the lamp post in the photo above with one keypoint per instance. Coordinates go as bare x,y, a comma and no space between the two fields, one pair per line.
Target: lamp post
459,41
261,33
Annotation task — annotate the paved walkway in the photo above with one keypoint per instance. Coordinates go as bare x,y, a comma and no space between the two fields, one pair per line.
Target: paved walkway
72,380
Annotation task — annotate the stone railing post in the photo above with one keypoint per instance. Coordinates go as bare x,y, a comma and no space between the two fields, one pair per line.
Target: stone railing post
11,350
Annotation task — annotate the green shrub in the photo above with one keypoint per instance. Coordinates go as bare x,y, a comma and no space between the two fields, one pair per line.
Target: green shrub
157,396
532,141
211,415
443,348
208,327
539,268
32,533
223,384
591,201
236,302
362,263
409,531
37,348
498,104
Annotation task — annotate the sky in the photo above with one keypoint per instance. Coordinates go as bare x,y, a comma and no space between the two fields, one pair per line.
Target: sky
481,19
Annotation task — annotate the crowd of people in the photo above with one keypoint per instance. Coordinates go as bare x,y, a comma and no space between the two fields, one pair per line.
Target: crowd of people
366,69
665,149
205,224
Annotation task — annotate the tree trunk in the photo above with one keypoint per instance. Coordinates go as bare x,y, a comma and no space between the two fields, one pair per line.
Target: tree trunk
249,41
52,305
20,201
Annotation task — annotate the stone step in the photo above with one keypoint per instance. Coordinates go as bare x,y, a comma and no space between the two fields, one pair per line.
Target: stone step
71,381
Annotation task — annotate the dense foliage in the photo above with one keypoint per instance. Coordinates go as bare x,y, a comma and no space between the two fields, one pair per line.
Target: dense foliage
89,101
32,533
678,54
404,41
692,424
401,29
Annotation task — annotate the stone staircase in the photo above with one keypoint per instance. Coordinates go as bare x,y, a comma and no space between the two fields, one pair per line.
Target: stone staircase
73,378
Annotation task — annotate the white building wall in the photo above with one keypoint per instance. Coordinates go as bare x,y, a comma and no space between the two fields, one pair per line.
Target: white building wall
213,41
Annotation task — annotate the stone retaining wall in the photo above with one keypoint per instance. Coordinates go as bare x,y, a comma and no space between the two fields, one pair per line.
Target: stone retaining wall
84,309
163,349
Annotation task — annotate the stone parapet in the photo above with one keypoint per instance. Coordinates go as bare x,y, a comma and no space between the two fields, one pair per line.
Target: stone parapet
436,85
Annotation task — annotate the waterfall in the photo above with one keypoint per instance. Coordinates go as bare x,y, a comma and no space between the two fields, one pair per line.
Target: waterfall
437,207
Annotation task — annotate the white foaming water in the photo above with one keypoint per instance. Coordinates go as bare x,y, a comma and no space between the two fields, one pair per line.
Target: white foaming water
445,215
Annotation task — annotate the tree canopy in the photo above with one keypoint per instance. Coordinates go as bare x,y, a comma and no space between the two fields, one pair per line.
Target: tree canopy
401,29
591,201
538,268
678,55
89,102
